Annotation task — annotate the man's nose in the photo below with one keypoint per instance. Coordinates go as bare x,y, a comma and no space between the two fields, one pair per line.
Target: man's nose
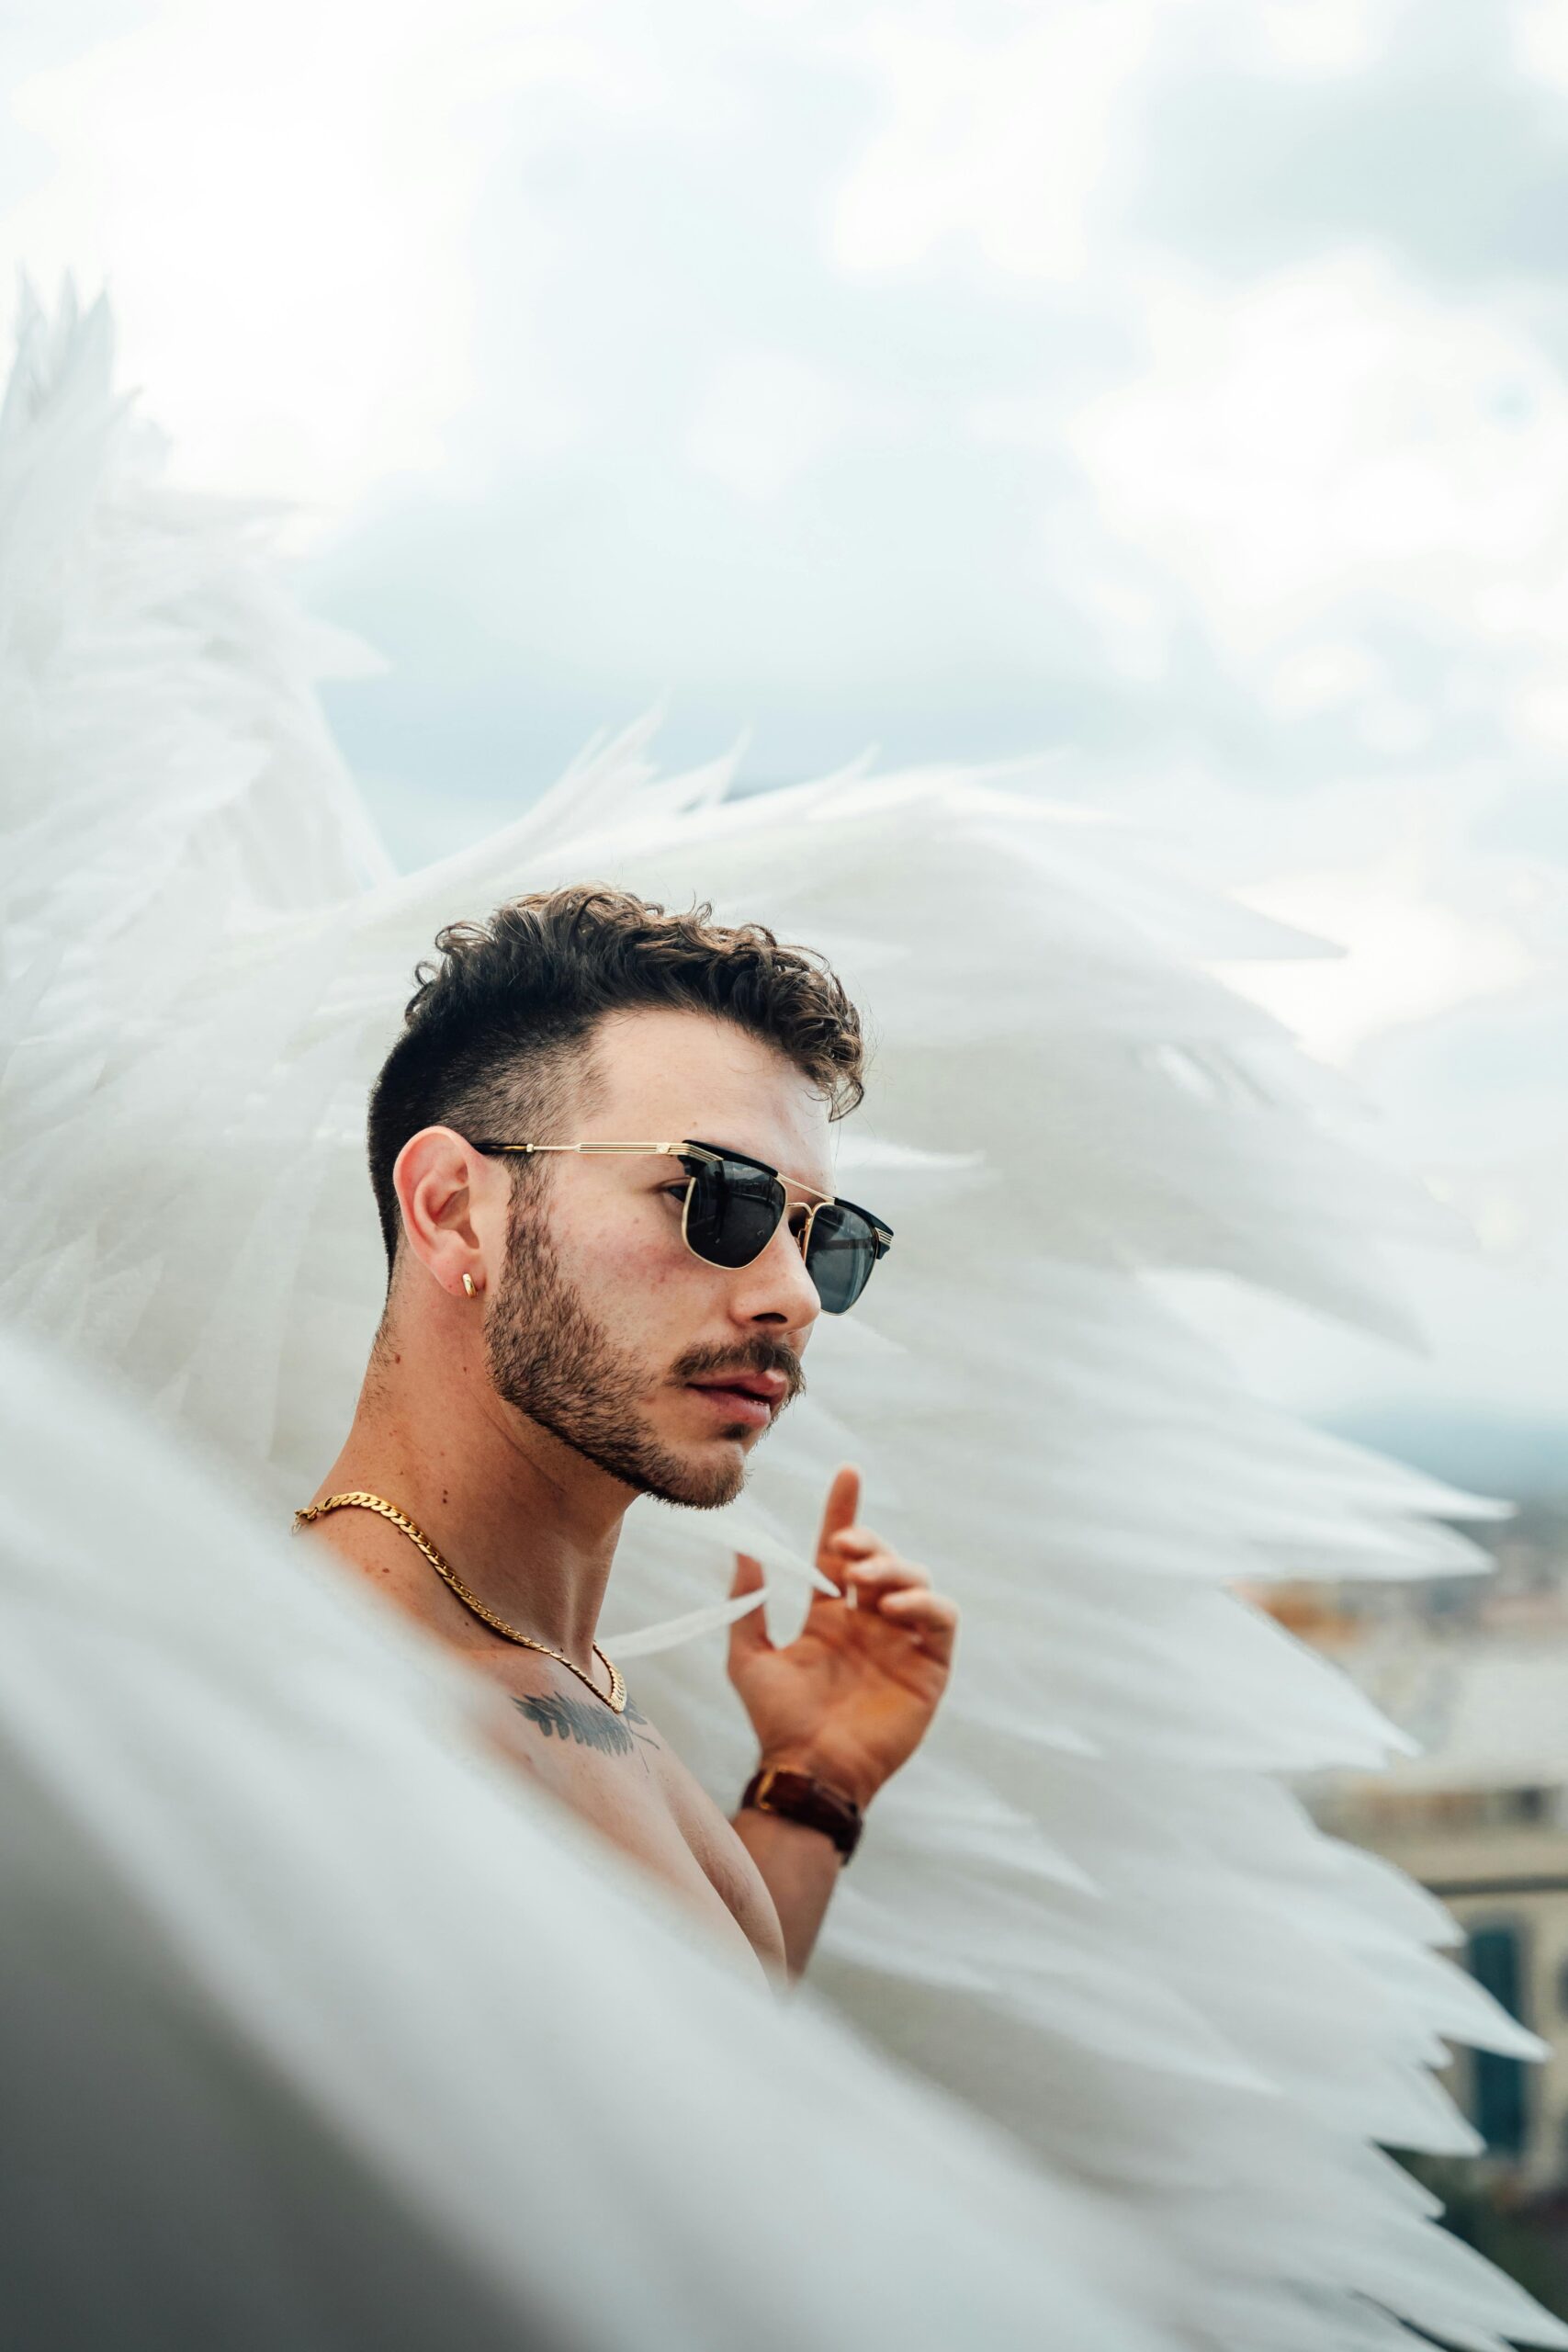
779,1276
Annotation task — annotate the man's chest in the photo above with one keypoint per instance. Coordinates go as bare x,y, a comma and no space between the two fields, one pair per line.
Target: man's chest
618,1771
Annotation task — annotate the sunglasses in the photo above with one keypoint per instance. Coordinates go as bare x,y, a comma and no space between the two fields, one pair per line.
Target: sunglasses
733,1208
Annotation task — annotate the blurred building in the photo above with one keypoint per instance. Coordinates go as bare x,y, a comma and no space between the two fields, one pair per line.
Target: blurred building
1476,1669
1497,1855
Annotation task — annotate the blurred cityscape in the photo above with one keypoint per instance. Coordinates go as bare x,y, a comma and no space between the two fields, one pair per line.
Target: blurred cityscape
1475,1667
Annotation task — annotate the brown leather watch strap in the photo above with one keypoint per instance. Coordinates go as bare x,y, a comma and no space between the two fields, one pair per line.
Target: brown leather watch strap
796,1796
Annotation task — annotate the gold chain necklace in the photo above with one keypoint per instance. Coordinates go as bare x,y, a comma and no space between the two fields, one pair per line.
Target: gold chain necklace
615,1697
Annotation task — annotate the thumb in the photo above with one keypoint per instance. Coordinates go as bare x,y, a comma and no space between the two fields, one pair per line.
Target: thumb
747,1634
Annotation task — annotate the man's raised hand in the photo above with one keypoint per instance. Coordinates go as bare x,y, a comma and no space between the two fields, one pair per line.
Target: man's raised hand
852,1696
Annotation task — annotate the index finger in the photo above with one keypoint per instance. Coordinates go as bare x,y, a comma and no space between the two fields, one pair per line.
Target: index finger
843,1502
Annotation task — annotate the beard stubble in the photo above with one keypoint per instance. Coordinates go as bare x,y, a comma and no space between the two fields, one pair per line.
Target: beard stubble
550,1360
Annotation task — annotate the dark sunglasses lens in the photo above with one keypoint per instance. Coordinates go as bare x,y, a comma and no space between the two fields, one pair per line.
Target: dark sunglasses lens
734,1212
840,1255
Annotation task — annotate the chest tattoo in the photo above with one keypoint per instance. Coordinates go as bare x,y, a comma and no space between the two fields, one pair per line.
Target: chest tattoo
560,1717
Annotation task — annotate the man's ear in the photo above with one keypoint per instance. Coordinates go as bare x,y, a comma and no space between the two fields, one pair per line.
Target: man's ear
442,1186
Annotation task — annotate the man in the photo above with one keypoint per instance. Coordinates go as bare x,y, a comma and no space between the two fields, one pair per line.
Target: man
560,1329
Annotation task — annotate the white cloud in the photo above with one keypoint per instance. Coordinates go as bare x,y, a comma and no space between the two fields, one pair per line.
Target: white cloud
1310,678
1332,435
281,203
1539,34
1537,716
1320,36
991,147
761,419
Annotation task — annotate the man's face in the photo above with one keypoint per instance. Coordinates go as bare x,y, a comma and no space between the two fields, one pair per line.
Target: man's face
604,1317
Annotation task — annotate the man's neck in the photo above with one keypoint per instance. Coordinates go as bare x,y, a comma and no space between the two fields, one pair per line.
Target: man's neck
529,1524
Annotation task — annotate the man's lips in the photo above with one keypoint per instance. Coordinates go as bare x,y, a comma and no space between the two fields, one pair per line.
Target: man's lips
770,1386
736,1405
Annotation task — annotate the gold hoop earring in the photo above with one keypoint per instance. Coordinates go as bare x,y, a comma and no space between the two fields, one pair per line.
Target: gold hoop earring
468,1285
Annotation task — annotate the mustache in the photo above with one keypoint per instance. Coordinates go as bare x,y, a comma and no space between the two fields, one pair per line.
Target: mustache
771,1360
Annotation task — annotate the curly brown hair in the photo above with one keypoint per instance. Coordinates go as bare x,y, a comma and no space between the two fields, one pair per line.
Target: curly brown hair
497,1037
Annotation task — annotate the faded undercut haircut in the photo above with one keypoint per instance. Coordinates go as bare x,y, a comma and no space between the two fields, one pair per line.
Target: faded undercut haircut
497,1037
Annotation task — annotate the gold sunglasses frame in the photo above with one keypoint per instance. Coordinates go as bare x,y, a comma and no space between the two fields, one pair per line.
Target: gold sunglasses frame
883,1233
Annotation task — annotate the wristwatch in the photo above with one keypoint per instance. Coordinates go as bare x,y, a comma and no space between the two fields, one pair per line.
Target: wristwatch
796,1796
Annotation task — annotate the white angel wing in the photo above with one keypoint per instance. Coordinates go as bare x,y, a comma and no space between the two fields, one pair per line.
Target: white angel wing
323,2027
1087,1905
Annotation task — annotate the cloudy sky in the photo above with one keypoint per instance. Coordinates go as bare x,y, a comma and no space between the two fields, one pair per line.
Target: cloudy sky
1176,387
